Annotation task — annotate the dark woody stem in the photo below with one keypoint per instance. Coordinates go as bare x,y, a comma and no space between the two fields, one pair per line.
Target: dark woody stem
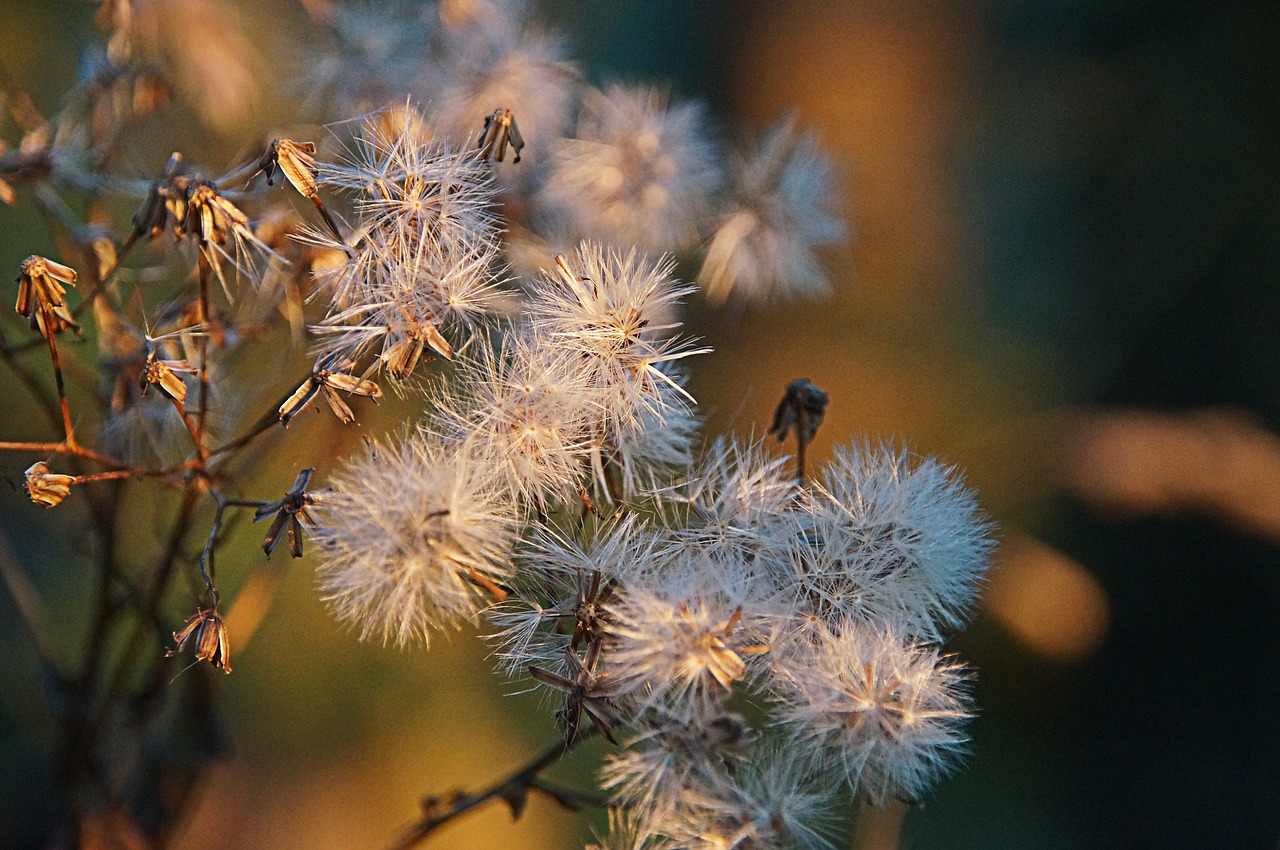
512,789
802,442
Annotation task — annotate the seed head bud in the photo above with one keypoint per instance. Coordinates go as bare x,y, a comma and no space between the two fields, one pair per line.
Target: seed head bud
499,131
801,410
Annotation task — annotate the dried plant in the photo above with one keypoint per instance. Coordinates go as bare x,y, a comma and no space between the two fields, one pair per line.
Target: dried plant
554,485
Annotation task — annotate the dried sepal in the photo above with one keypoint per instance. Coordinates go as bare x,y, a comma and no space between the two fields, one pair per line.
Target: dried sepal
323,379
41,287
290,513
164,374
209,633
296,161
499,131
402,357
165,205
47,489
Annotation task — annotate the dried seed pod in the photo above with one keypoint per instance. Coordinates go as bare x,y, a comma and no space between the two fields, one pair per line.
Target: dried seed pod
296,161
290,512
324,379
801,409
46,488
499,131
40,295
210,636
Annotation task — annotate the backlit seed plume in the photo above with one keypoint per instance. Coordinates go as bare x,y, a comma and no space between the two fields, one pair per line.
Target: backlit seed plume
891,538
423,260
638,173
733,507
885,712
522,408
782,214
674,757
615,312
676,651
371,49
414,538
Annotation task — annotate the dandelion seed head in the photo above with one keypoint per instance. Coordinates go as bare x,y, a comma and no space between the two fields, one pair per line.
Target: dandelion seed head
891,538
675,650
522,407
613,312
495,60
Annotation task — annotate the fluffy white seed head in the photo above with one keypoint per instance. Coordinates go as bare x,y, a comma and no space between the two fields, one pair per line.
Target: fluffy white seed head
415,538
614,313
639,172
888,711
890,538
783,213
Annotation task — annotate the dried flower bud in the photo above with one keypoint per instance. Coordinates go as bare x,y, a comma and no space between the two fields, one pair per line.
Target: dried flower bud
801,410
46,488
210,635
40,293
500,130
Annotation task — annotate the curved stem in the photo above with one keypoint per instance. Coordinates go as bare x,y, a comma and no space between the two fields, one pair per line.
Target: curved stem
513,789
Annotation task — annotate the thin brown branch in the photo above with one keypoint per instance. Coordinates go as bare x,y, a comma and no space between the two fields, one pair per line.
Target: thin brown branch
512,789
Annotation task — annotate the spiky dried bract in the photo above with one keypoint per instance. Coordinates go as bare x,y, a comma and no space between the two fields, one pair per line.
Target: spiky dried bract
887,711
783,213
413,538
891,537
614,312
639,172
522,408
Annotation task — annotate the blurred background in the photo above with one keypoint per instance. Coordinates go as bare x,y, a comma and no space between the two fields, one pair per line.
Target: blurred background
1064,278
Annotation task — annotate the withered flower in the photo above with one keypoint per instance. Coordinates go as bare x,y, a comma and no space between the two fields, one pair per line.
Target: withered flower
801,410
40,294
324,379
211,217
210,635
291,512
499,131
47,489
296,161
